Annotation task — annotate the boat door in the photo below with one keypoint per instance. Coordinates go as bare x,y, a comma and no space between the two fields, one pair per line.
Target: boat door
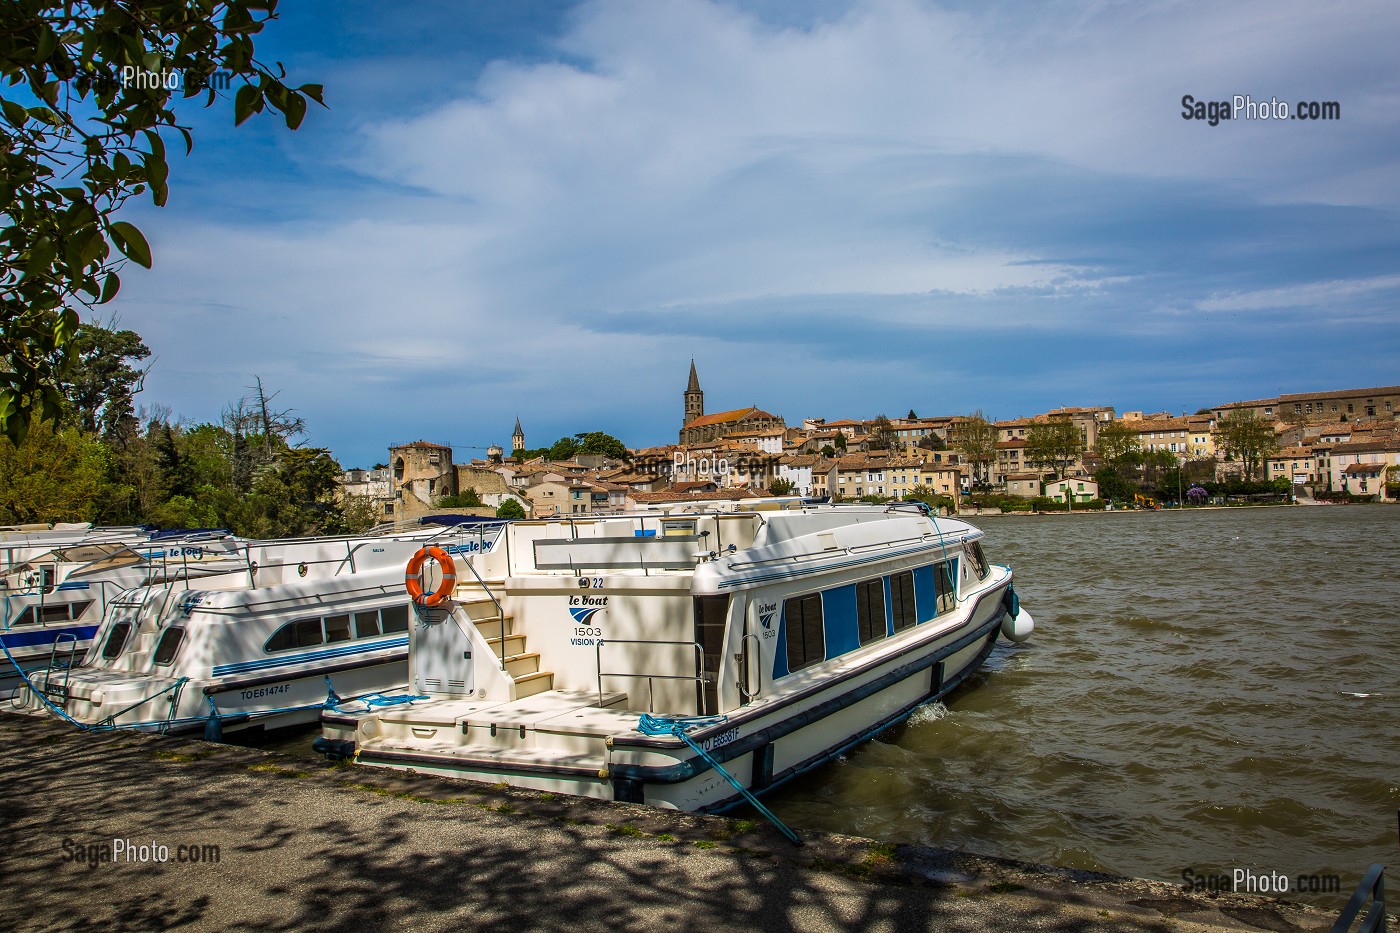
440,654
711,616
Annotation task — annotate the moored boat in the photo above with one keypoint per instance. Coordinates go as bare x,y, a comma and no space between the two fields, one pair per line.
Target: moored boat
55,596
261,644
642,657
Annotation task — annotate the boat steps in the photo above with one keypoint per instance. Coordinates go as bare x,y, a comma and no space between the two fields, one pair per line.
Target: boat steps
480,609
490,626
528,685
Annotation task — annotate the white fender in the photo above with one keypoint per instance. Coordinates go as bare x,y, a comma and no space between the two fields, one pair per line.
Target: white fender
1019,628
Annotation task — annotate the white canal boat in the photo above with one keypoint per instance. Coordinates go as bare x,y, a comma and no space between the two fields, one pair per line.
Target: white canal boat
578,656
55,595
261,645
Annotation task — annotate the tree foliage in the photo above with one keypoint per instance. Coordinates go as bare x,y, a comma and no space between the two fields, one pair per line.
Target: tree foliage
510,509
1055,444
87,107
1243,435
1116,442
883,435
976,438
782,487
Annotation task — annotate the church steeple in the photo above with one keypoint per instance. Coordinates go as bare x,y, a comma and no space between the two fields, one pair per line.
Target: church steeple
694,398
517,439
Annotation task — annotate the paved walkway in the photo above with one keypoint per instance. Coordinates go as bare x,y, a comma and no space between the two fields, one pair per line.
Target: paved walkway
307,847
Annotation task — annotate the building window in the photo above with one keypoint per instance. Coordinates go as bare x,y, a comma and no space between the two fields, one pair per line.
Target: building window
870,610
806,639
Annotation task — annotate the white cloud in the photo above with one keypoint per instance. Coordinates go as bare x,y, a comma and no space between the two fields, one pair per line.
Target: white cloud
681,156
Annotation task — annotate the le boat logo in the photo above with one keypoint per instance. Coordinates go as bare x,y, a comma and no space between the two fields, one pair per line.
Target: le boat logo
766,612
583,609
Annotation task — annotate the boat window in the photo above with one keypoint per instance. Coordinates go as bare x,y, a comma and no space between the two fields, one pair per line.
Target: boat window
943,584
870,610
78,609
366,624
169,644
683,527
806,639
25,618
902,600
979,560
116,641
58,613
304,633
337,629
395,619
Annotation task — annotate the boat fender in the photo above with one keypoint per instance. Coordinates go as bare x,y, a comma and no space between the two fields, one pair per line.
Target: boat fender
1018,627
1012,602
213,728
415,585
334,749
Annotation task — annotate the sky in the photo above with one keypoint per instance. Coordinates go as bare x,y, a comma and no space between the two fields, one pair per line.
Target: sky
837,209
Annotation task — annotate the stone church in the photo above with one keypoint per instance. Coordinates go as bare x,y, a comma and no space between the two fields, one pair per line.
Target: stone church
700,428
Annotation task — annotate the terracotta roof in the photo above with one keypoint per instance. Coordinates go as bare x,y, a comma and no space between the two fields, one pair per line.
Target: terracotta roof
1341,393
1369,446
1365,468
724,417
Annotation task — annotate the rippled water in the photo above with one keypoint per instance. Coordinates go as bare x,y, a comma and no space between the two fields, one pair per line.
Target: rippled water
1209,689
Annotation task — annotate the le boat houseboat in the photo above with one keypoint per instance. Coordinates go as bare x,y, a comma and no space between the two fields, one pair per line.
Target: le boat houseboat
797,631
55,596
262,645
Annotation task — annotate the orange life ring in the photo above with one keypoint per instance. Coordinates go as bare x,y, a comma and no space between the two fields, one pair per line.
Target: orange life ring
415,585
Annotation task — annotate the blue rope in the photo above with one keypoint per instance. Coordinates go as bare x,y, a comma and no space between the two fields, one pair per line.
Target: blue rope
371,700
677,726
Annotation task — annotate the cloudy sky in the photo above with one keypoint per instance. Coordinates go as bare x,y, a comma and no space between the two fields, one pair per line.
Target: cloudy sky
839,209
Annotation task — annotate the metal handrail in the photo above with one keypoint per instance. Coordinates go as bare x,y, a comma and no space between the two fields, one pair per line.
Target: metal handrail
749,695
500,613
698,679
1372,887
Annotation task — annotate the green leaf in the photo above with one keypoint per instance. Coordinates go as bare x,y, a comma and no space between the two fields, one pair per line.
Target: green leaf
295,110
313,91
245,103
48,41
15,113
110,288
132,243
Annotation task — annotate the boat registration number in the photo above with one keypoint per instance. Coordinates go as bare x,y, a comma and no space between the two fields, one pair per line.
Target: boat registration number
719,741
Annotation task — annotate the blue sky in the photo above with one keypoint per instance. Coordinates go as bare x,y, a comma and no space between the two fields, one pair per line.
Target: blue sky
547,209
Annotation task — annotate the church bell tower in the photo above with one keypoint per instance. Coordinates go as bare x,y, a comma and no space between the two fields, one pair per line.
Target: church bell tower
694,398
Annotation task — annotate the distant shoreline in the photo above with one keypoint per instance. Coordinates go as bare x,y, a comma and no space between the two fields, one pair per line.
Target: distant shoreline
1190,508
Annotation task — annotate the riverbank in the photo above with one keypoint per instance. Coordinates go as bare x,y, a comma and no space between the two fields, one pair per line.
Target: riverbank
305,846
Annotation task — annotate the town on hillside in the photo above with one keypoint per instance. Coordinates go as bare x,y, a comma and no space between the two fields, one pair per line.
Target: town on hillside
1312,446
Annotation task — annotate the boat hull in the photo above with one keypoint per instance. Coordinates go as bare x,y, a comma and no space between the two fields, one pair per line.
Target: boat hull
763,745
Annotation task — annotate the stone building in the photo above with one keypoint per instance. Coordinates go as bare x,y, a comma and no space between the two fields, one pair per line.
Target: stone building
700,428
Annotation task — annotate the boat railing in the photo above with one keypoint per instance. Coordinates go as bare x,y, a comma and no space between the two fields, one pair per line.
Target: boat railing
500,612
698,678
1371,890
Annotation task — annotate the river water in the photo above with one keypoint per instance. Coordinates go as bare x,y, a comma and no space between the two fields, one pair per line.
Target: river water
1206,690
